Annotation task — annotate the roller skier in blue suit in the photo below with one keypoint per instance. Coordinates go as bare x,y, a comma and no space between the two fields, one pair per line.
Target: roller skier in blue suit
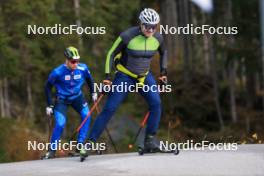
68,80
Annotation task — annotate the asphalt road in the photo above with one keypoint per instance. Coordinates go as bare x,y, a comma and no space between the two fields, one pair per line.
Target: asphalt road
247,160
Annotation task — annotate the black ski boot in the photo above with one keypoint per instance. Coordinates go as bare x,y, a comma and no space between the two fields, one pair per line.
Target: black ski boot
49,155
152,146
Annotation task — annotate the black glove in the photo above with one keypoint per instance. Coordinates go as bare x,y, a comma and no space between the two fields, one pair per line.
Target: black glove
163,80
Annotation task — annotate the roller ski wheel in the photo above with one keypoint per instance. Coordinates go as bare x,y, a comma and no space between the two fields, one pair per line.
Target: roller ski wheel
48,155
82,158
176,152
142,151
83,155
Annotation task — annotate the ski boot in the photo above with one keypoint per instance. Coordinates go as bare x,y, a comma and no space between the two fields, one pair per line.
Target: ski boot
152,146
84,152
49,155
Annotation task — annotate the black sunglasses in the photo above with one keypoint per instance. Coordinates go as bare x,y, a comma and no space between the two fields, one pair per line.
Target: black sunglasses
74,61
150,26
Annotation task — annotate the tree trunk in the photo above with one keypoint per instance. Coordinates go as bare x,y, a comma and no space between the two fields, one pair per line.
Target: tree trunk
2,107
170,16
78,22
206,50
215,79
29,98
231,65
262,46
190,37
250,94
211,68
232,79
6,98
184,20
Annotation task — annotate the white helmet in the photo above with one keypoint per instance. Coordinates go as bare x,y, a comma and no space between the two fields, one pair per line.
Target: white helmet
149,16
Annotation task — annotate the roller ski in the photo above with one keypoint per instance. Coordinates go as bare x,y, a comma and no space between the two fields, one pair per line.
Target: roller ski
49,155
142,150
151,146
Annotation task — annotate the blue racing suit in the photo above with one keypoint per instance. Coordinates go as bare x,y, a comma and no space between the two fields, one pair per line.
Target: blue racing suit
68,84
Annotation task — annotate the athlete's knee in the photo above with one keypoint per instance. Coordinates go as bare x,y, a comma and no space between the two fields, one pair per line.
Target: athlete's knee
60,124
60,120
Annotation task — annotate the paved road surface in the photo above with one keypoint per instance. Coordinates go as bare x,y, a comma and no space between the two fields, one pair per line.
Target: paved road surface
247,160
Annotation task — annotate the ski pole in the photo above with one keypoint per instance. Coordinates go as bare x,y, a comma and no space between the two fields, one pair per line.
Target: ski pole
142,124
108,134
50,127
49,121
139,130
87,116
111,139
